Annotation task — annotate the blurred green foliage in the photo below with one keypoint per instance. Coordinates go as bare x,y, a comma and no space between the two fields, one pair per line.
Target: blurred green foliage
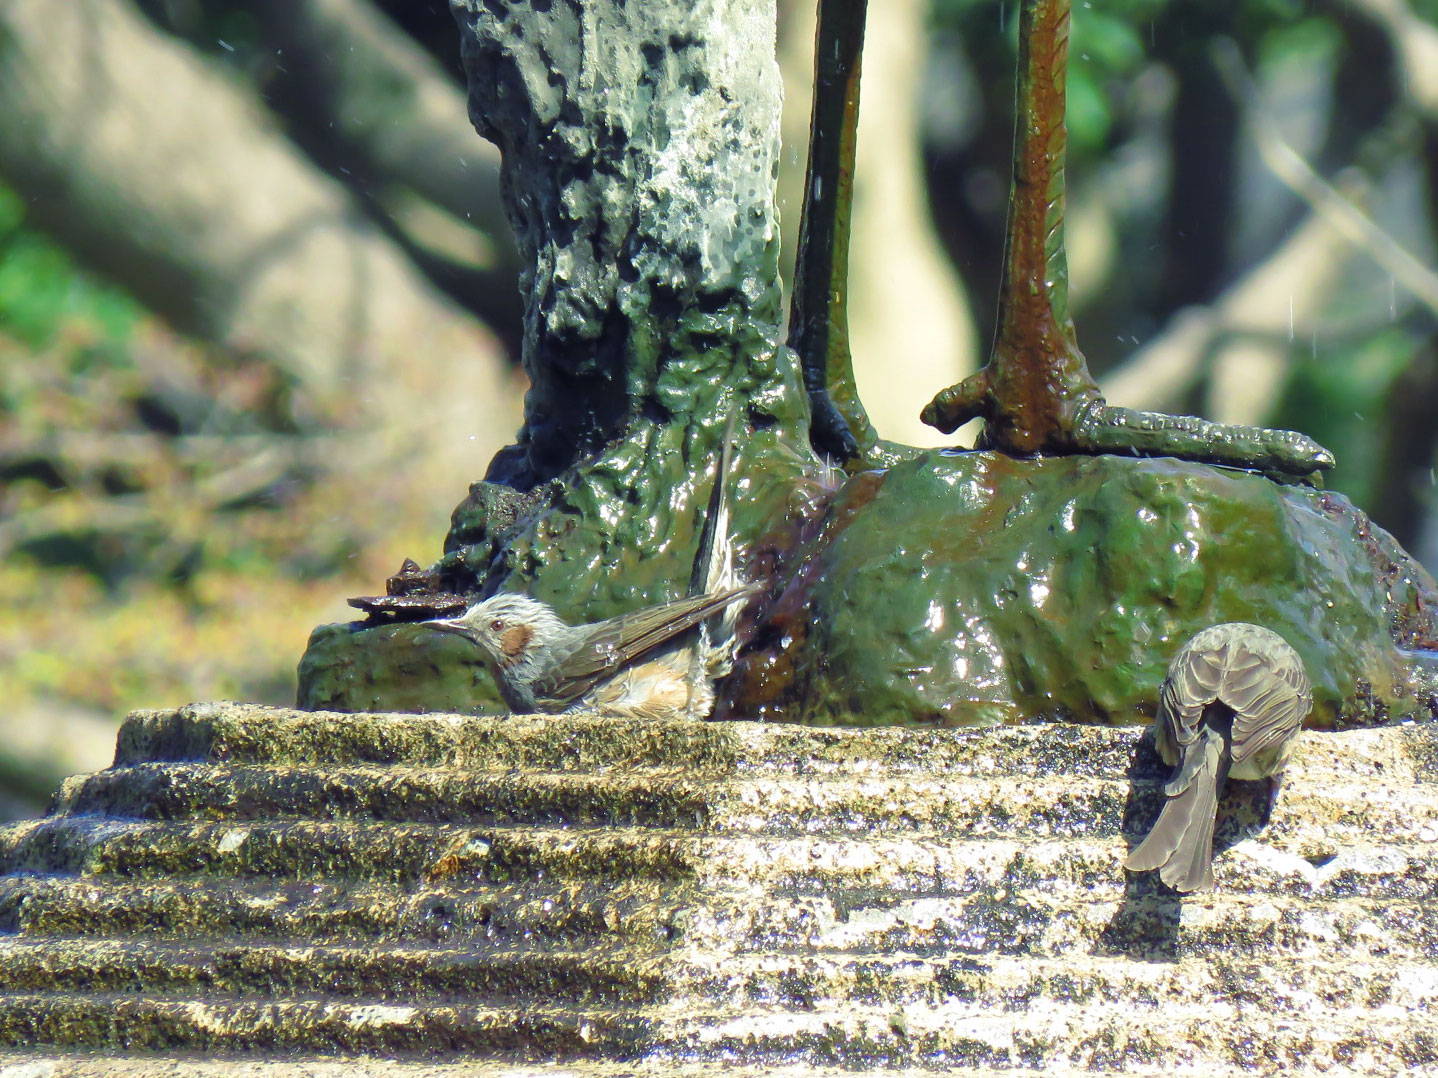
1110,42
160,531
41,289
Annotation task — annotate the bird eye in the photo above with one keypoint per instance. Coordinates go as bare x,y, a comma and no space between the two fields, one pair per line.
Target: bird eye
496,625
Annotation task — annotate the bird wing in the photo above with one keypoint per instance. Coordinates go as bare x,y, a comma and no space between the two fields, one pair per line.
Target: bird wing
1193,682
713,561
1248,669
1269,693
614,644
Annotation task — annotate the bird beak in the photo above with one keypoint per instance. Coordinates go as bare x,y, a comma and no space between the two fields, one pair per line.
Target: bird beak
454,627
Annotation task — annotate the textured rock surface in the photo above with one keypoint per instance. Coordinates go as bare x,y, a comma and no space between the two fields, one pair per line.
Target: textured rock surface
641,149
640,144
965,588
973,588
255,881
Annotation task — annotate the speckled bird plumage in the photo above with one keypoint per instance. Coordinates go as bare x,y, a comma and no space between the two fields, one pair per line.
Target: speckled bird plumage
543,664
1231,705
659,661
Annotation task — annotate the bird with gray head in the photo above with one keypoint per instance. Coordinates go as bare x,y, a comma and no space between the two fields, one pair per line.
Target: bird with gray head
1231,706
656,662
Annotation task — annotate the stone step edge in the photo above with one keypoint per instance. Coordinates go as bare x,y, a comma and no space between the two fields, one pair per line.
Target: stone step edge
730,792
679,963
57,1064
782,926
256,732
676,1016
188,733
948,1035
204,888
106,847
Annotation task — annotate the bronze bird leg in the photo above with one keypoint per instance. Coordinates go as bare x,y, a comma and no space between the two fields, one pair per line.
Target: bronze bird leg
1036,394
818,318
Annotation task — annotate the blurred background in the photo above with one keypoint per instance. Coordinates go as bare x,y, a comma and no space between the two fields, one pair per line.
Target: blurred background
259,323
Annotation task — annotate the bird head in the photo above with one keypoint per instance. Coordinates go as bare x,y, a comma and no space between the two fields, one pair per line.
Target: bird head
508,628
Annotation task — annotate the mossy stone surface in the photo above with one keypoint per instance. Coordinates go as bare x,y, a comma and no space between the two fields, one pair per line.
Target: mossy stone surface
974,588
617,533
575,893
354,667
958,589
640,144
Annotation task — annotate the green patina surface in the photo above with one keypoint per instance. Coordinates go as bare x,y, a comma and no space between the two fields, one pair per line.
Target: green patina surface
972,588
613,534
957,588
395,668
951,588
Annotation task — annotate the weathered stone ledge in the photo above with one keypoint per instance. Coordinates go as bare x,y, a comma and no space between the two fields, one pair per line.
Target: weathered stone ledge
569,895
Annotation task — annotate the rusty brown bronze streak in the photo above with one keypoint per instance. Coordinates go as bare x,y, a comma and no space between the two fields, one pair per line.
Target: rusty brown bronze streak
1036,394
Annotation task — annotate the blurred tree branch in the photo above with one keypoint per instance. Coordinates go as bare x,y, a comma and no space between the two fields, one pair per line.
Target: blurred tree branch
357,80
160,171
1338,209
1288,287
1415,41
1243,337
372,106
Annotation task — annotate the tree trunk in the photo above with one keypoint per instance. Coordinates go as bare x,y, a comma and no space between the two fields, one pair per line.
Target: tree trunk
640,147
377,110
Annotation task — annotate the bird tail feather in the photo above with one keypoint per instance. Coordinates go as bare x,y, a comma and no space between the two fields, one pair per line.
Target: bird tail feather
713,657
714,561
1180,845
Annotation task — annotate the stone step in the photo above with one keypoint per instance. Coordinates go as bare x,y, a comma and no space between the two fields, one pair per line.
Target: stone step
638,912
1202,1038
375,972
56,1063
219,1024
251,734
1304,858
1332,813
647,798
1030,922
1293,984
569,889
1004,920
948,1037
346,849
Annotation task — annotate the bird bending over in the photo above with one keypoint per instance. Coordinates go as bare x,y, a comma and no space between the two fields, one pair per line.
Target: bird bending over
657,662
1231,705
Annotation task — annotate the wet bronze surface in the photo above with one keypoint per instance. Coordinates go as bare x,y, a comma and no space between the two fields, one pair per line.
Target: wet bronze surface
640,339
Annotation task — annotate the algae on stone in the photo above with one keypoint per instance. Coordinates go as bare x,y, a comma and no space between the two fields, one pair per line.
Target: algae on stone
964,588
572,892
